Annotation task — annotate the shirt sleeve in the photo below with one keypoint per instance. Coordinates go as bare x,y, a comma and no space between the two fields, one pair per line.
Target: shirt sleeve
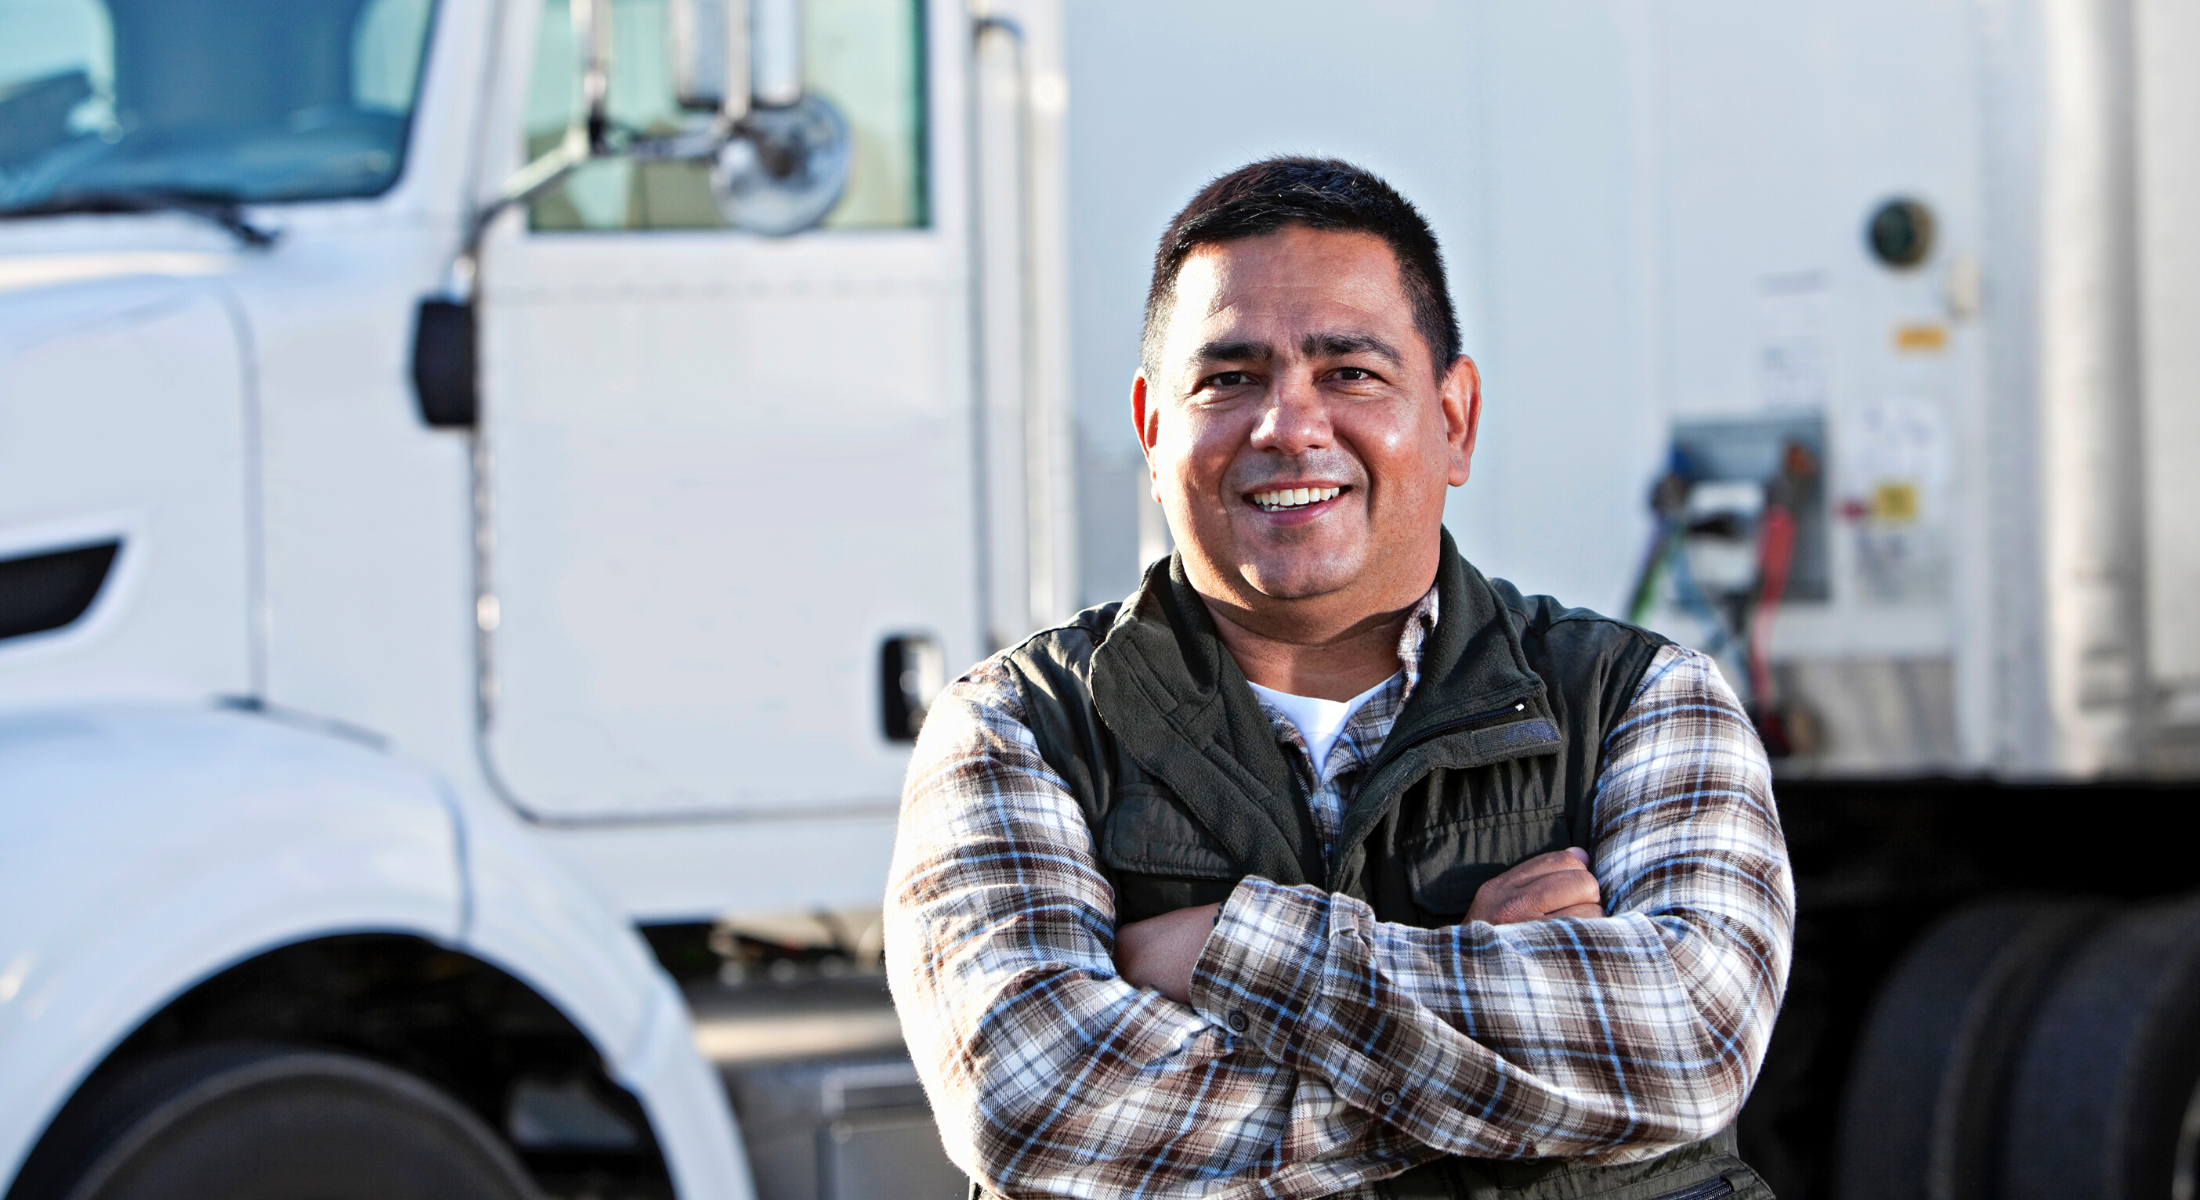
1613,1038
1048,1074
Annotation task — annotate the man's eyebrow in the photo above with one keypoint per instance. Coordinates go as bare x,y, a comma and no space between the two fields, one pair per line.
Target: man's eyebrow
1338,345
1236,352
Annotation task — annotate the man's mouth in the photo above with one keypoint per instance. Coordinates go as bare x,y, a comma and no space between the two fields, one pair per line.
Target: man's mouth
1285,499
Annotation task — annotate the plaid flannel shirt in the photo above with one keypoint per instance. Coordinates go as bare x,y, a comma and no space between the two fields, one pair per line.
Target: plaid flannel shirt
1323,1050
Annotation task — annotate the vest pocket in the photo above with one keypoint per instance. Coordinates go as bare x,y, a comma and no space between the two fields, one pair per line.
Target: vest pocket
1447,865
1158,857
1149,834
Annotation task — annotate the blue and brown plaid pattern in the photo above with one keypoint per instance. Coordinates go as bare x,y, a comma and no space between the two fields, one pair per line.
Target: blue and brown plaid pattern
1323,1050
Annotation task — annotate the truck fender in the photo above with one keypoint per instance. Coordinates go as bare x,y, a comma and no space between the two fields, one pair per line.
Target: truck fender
144,848
535,918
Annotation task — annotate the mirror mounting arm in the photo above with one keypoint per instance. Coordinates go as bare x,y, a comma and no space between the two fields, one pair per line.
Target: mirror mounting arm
587,136
742,58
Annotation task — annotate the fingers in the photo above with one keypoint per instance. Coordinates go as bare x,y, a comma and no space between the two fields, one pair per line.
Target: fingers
1558,884
1549,895
1572,858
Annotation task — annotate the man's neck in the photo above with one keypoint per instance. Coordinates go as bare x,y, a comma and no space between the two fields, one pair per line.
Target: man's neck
1330,660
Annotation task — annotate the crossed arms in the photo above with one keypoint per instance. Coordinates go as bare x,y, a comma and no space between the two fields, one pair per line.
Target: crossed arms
1315,1049
1161,952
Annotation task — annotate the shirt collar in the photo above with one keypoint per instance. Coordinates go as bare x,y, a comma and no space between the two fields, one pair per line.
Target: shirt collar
1365,732
1419,624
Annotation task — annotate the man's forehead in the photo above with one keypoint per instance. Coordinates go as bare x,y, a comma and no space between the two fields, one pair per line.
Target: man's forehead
1292,286
1295,256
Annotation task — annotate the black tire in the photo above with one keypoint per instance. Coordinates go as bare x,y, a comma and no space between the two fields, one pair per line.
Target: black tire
2098,1105
261,1122
1921,1116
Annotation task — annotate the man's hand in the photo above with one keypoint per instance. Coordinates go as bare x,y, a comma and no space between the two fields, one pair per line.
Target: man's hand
1557,884
1159,952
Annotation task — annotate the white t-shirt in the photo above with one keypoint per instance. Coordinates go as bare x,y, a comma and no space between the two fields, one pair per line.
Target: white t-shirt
1319,721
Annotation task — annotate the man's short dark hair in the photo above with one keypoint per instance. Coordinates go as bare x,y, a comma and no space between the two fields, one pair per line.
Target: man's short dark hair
1318,193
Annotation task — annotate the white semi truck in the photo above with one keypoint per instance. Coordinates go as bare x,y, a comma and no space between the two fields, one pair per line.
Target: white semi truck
475,476
482,477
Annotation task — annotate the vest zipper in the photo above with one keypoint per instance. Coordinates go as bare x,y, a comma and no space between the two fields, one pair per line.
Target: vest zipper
1391,753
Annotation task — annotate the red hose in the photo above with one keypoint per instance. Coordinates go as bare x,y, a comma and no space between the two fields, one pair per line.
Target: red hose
1775,554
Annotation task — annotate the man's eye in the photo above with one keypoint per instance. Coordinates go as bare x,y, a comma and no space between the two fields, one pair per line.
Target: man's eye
1354,374
1227,379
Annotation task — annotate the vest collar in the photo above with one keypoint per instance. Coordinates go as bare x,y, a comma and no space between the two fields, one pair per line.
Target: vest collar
1173,695
1479,702
1168,687
1472,664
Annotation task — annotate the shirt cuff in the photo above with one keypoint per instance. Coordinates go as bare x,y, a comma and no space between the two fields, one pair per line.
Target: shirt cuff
1260,972
1292,970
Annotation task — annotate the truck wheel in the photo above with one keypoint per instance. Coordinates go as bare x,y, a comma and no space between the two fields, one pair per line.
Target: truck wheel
2099,1100
260,1122
1921,1114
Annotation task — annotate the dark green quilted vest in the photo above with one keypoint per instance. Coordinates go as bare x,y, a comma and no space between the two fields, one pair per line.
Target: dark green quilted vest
1494,760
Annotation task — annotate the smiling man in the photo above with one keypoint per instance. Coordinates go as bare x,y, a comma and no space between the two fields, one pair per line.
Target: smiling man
1323,865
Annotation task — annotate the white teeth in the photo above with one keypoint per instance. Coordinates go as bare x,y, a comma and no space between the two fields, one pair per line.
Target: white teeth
1294,497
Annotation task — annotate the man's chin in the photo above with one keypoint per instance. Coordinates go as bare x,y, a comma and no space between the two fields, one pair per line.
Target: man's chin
1287,582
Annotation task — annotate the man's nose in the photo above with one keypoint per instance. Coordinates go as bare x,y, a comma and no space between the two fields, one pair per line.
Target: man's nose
1296,419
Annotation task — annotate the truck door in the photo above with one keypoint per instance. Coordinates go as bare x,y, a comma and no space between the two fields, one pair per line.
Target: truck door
720,472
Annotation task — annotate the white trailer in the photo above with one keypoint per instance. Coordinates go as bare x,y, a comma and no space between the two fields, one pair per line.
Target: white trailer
475,477
1658,217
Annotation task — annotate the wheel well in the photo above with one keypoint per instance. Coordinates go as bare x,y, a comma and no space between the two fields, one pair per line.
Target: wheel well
452,1019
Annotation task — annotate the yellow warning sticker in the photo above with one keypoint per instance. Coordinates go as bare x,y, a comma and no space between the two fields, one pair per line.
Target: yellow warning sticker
1921,336
1894,501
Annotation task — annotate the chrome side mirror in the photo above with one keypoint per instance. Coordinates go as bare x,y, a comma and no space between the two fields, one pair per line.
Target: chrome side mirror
787,162
779,155
775,52
709,51
786,168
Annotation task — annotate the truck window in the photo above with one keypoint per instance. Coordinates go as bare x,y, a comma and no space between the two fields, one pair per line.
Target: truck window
865,56
247,101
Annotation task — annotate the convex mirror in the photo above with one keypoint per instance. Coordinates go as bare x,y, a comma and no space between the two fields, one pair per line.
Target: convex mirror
780,162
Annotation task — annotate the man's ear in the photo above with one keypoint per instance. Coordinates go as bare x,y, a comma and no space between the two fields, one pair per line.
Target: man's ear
1462,397
1145,415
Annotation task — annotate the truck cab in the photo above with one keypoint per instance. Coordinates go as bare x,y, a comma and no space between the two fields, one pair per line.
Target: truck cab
477,477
